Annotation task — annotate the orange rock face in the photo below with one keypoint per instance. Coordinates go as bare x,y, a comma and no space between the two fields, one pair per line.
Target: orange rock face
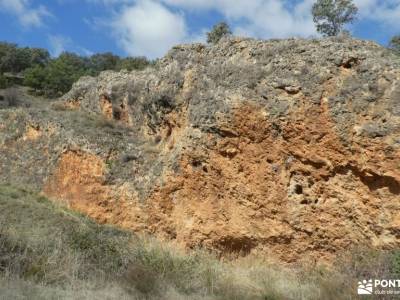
298,195
32,133
106,107
292,192
78,180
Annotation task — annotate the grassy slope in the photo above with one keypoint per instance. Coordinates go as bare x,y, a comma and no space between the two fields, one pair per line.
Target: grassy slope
49,252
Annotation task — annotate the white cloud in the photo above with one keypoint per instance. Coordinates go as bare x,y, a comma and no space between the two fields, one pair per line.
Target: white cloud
283,18
26,15
148,28
58,44
84,51
384,11
259,18
110,2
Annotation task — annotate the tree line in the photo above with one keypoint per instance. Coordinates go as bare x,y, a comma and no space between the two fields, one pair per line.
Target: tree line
54,76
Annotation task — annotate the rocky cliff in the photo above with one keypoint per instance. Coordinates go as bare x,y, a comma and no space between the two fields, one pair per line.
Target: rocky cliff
288,148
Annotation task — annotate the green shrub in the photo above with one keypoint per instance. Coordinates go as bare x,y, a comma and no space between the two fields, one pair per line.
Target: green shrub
14,59
62,72
218,32
395,263
57,77
35,77
132,63
54,77
330,16
394,44
3,82
11,96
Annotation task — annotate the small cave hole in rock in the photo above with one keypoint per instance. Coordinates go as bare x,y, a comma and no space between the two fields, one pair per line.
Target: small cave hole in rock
157,139
304,201
350,63
298,189
117,115
196,163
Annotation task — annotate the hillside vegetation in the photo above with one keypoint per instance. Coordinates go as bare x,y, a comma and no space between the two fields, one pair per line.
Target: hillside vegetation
49,252
51,77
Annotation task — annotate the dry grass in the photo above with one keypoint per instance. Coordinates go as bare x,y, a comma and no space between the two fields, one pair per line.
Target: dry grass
48,252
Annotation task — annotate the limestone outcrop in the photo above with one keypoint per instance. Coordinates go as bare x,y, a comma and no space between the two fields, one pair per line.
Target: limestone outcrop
288,148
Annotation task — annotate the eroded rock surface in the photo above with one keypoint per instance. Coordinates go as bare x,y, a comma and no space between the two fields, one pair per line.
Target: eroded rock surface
284,147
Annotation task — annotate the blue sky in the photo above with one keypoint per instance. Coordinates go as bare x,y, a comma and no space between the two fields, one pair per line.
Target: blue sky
151,27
